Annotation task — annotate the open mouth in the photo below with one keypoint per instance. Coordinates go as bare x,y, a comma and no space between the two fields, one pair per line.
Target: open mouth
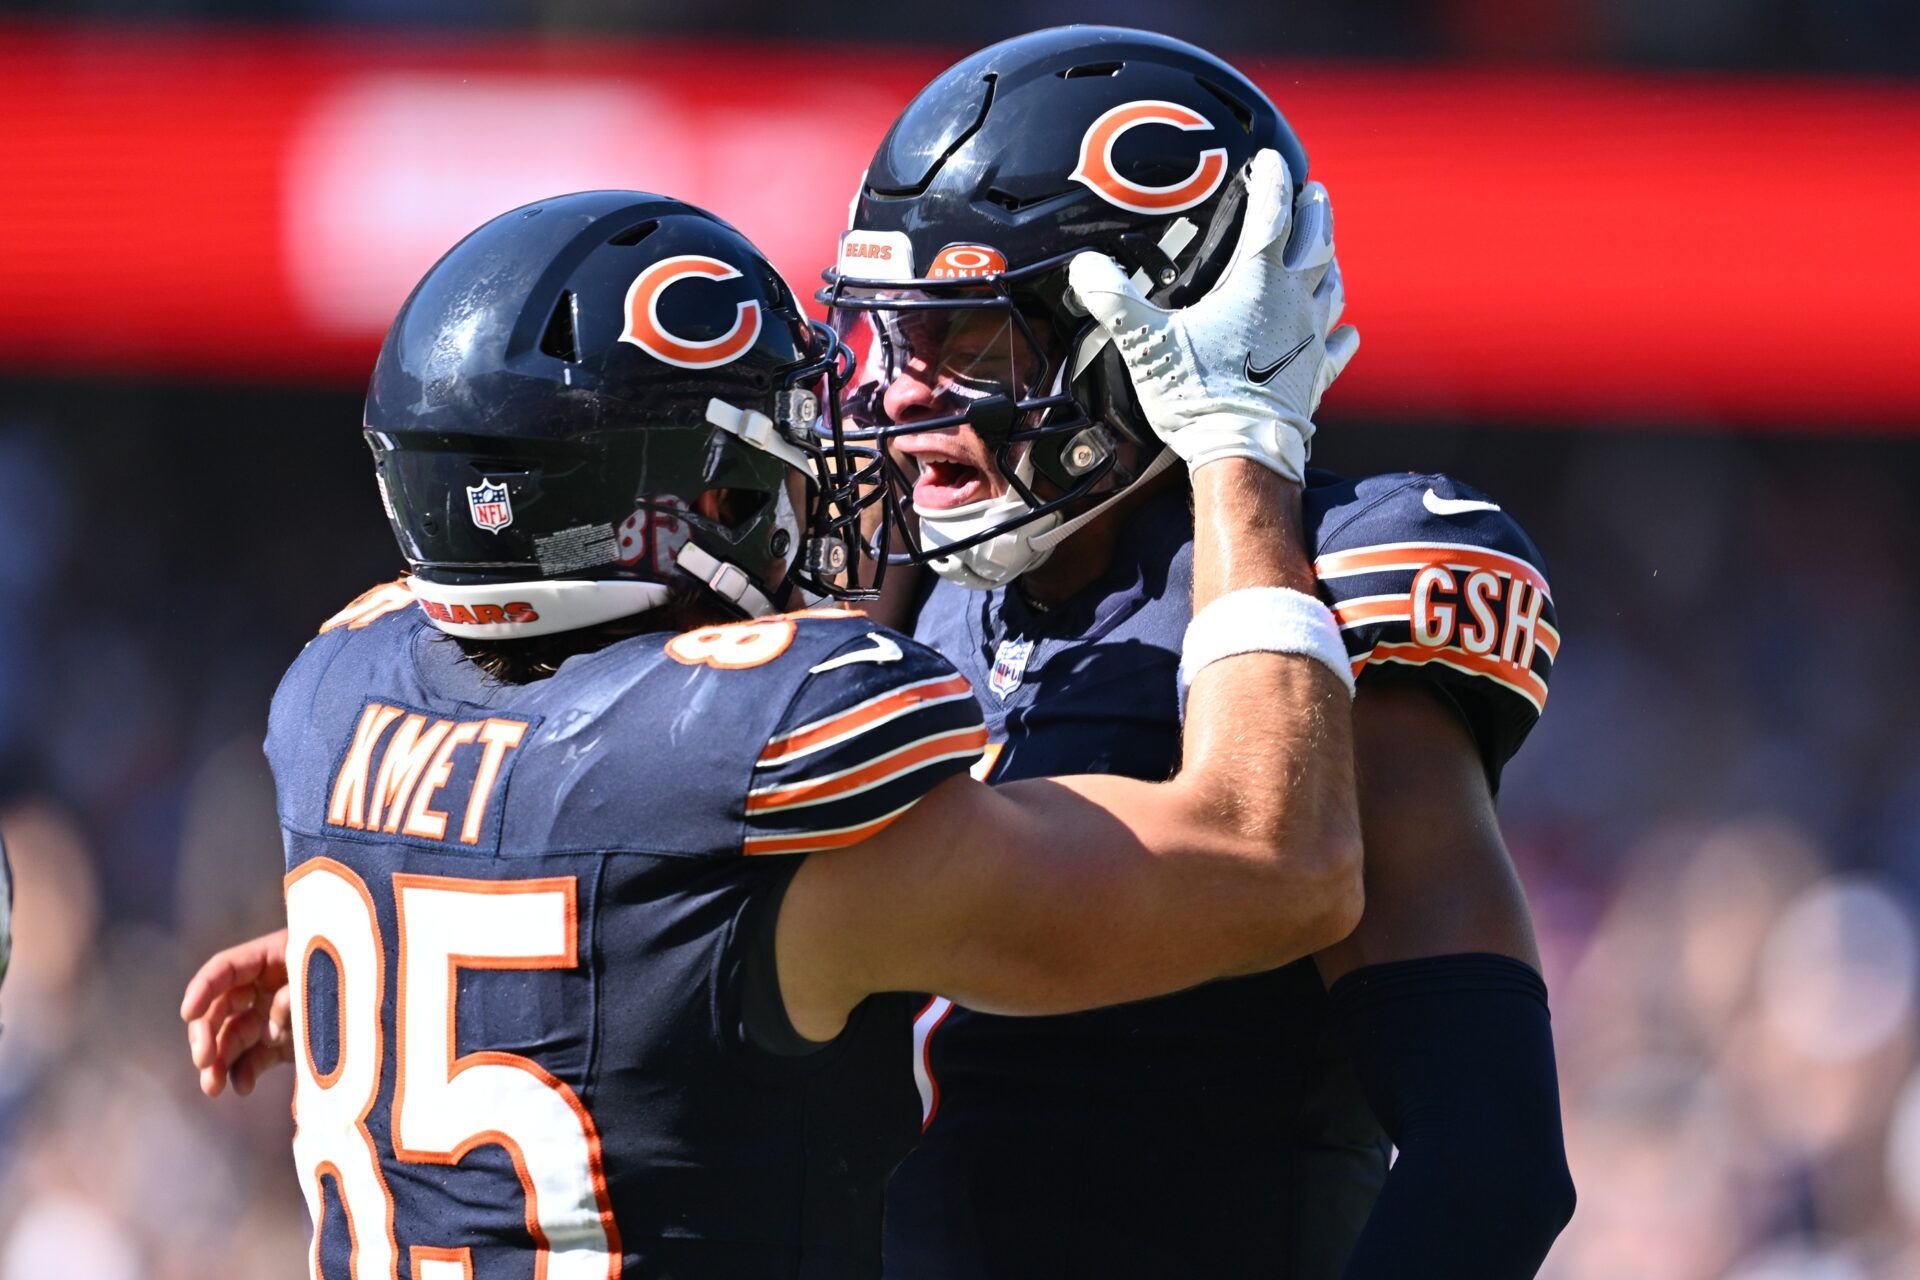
950,470
944,484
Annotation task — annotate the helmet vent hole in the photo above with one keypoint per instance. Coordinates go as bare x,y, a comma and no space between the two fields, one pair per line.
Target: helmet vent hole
635,234
559,341
1013,203
1241,111
1091,69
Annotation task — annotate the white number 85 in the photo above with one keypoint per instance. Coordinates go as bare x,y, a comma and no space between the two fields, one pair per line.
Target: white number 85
443,1107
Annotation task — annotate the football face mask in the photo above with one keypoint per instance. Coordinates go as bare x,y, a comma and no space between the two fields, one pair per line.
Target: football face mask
974,365
1000,171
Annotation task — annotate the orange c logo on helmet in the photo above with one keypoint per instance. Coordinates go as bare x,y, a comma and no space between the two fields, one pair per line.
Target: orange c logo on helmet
645,331
1096,169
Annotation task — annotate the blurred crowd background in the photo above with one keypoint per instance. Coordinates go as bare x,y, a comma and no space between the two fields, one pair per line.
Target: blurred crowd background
1718,821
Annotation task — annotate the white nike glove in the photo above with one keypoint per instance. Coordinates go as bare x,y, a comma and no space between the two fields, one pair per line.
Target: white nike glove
1240,373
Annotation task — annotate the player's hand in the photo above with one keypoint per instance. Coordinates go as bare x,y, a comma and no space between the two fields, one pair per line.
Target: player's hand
1240,373
238,1015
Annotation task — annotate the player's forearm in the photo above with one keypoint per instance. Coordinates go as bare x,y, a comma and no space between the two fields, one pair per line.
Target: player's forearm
1268,742
1247,531
1269,764
1069,893
1455,1054
1087,890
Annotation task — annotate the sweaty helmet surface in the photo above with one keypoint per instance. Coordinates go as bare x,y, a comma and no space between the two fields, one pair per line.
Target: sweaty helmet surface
953,270
565,386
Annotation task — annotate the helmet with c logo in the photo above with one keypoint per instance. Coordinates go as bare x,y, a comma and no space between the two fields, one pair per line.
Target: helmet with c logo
995,175
598,396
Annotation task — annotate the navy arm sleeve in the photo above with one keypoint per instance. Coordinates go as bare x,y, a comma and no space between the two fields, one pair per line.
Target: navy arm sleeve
1455,1054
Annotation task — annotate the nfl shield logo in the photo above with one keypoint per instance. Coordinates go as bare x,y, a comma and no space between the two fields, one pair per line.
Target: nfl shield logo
488,502
1009,667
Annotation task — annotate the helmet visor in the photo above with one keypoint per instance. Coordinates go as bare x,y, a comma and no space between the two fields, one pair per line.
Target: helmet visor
924,362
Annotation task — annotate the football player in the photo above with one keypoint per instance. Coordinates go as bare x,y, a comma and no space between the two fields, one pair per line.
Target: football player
603,876
1240,1128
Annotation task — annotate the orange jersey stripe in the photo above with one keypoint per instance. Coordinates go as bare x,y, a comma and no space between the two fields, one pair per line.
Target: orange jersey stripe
1418,555
915,755
1547,640
989,757
1354,613
814,841
865,716
370,606
1523,682
1367,610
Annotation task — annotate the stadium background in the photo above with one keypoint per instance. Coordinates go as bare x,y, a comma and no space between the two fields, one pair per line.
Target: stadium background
1642,270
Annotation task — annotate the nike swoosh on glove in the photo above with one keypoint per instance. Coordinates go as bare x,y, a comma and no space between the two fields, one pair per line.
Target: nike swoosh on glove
1190,368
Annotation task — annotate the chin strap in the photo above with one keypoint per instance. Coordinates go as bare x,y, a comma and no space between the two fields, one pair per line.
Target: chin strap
1046,542
996,561
758,431
727,581
1001,559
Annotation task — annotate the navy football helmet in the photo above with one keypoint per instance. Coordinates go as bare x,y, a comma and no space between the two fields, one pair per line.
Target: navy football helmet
564,388
954,267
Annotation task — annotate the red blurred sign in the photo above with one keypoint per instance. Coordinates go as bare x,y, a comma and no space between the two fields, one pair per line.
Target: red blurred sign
1605,247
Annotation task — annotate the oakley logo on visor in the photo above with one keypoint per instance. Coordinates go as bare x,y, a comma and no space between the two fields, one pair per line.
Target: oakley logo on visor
645,331
1097,173
964,261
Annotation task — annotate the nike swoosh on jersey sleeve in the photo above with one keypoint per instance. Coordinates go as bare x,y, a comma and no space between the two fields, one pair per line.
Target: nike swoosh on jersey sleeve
1432,581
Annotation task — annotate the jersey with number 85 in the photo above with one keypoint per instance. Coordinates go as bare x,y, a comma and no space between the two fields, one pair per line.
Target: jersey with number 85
531,947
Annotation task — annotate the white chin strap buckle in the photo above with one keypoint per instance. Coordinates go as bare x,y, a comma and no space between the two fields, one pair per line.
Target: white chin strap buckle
757,431
1001,558
729,582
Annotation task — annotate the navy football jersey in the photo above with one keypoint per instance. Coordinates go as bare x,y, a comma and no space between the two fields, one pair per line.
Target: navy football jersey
1217,1132
523,926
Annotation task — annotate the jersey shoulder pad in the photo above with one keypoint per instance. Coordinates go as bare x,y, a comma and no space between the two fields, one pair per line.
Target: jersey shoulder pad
1432,580
876,722
292,709
370,606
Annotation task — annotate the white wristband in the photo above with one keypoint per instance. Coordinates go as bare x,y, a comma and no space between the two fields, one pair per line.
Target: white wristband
1264,620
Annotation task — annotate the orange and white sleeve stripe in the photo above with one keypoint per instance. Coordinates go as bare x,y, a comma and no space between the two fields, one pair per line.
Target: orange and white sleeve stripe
838,778
1402,604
